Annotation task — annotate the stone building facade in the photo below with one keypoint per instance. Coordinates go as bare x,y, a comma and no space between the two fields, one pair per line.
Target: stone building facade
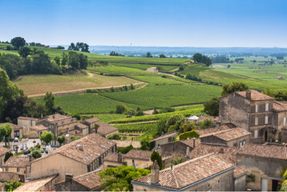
255,112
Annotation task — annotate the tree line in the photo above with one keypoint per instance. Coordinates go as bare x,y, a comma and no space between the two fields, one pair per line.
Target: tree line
36,61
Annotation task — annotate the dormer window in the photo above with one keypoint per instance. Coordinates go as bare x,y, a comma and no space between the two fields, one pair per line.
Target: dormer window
266,106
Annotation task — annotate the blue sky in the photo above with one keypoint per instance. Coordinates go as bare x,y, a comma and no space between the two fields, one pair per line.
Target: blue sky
196,23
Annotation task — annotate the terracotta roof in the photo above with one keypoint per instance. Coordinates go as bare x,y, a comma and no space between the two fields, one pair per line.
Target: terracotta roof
190,142
17,161
81,126
138,154
229,153
105,129
59,119
267,151
112,157
229,134
90,180
214,130
9,176
239,171
91,120
35,185
3,150
28,118
39,128
279,106
86,149
190,172
255,95
165,136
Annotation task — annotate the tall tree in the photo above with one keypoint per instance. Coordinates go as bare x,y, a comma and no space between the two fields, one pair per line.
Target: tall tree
18,42
5,133
49,100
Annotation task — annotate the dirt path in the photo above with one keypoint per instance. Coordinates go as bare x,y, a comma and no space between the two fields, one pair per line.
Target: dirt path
140,85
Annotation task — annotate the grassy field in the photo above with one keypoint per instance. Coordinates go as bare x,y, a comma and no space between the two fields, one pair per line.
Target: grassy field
40,84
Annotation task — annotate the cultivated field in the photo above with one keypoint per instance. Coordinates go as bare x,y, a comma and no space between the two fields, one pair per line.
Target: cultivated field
37,85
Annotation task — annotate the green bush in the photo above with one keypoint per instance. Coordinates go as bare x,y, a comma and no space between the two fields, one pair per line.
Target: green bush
189,134
125,150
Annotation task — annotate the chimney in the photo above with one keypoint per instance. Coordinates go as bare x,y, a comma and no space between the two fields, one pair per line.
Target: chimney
155,173
68,177
221,150
248,94
80,147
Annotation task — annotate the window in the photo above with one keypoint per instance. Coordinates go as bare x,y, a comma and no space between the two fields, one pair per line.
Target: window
266,106
284,121
256,108
255,133
256,120
266,119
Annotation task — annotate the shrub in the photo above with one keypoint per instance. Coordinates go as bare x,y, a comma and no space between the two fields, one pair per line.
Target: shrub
125,150
115,137
120,109
36,154
189,134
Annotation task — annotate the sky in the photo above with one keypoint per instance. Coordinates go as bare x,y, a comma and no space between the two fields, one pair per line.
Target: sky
191,23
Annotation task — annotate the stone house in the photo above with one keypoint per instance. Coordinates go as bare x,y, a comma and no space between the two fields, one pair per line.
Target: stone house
18,164
59,124
235,137
76,158
105,130
26,123
164,139
91,123
40,184
265,163
191,175
36,130
81,129
114,160
138,158
87,182
256,112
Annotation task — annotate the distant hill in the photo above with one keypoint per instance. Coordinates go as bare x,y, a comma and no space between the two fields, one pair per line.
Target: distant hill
188,51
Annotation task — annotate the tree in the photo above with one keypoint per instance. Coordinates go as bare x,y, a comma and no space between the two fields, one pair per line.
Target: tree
162,56
212,107
148,54
12,185
284,181
233,87
199,58
155,156
36,154
49,100
120,109
189,134
24,51
18,42
47,137
119,178
5,133
61,139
